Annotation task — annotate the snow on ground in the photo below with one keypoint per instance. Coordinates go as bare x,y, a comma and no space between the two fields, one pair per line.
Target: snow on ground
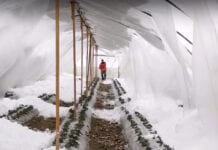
182,130
14,136
48,86
7,104
45,109
110,115
11,132
28,95
107,81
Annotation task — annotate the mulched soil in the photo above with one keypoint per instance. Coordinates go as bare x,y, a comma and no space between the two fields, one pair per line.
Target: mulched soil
105,87
100,98
40,123
99,104
105,135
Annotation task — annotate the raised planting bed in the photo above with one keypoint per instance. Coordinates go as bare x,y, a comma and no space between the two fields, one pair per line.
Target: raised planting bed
106,135
22,114
29,116
123,101
40,123
102,103
50,98
65,127
76,132
119,88
104,87
144,144
2,116
105,98
72,130
155,137
148,138
11,95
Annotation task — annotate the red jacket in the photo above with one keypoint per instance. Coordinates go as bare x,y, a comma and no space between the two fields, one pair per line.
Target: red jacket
102,66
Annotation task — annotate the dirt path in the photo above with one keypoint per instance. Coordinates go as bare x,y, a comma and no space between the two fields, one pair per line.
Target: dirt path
105,135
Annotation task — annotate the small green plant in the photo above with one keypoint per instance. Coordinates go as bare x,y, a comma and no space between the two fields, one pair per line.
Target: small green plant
69,137
148,126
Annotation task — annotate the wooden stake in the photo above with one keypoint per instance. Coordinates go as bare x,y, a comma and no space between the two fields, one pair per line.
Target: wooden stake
81,56
93,61
87,54
89,61
96,61
57,26
73,6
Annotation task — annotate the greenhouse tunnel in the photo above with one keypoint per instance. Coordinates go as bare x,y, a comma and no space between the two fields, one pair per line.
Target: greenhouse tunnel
161,91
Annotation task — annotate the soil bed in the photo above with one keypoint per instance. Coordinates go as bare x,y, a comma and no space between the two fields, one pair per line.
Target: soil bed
106,97
41,123
105,135
105,87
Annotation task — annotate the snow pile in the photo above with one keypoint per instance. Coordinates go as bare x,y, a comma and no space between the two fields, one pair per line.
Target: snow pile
45,109
14,136
48,86
110,115
28,95
180,129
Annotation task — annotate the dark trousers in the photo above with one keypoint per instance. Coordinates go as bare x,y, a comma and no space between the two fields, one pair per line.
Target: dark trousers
103,75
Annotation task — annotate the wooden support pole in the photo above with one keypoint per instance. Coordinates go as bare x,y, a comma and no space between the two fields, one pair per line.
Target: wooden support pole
118,72
81,24
93,60
57,46
87,57
89,60
73,6
96,61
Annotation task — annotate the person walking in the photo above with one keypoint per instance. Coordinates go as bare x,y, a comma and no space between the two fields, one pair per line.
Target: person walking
103,69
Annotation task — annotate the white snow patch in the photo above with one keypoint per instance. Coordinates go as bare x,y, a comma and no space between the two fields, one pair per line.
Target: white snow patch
110,115
107,81
7,104
14,136
45,109
48,86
